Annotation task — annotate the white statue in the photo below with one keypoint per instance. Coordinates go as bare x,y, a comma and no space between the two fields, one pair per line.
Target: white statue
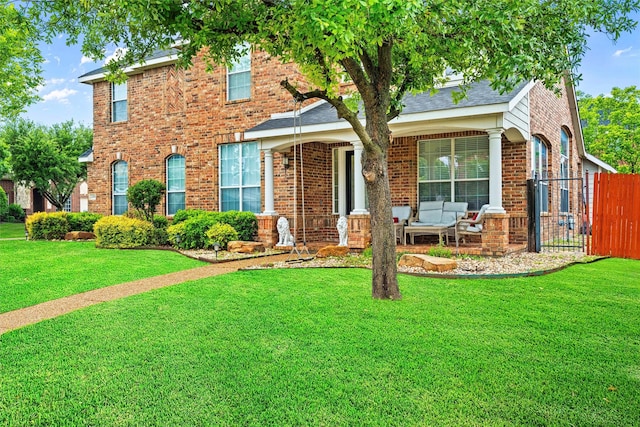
284,234
342,230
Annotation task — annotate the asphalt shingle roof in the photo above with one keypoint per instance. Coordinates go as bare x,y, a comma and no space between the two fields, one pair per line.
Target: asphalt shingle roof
478,94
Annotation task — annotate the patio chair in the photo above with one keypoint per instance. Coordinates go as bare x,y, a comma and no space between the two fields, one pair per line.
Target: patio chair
470,226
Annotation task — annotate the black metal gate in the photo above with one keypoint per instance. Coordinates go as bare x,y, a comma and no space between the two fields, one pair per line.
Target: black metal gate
556,210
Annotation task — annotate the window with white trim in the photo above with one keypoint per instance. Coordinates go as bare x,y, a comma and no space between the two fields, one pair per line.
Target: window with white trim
239,77
564,171
454,169
67,205
119,102
176,178
240,177
120,184
540,164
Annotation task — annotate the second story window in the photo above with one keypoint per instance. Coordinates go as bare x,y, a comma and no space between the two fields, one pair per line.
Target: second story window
239,78
118,102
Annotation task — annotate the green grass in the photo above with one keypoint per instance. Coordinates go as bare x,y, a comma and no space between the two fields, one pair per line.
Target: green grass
310,347
10,230
36,271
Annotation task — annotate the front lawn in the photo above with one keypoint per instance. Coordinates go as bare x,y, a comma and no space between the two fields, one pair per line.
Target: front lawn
310,347
11,230
32,272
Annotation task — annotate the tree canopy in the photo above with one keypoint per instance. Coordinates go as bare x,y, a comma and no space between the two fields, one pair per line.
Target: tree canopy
384,48
47,157
611,127
20,61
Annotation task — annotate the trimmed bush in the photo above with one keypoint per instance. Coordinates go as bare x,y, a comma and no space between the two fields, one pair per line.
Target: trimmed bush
192,232
145,196
245,223
82,221
4,204
222,234
47,226
15,213
121,232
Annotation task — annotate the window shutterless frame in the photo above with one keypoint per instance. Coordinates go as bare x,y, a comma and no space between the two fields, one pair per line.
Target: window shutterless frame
119,102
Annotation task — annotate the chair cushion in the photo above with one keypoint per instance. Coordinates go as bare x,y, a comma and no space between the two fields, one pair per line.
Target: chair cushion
402,213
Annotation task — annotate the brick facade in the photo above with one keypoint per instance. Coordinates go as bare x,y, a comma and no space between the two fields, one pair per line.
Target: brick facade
174,111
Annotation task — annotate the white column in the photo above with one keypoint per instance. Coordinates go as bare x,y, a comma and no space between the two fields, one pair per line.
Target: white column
358,180
495,171
268,183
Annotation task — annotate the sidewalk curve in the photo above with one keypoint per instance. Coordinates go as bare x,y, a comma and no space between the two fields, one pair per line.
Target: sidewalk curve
47,310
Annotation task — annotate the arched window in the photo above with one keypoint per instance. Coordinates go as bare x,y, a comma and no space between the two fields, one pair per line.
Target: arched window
565,171
540,170
120,179
175,184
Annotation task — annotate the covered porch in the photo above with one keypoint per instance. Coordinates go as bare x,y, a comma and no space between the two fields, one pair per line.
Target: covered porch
311,168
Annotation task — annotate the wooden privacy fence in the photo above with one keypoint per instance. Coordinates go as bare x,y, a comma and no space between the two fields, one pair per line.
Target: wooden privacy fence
616,216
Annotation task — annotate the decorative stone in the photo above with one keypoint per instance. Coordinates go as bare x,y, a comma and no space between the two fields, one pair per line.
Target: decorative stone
79,235
427,262
328,251
342,230
241,247
284,234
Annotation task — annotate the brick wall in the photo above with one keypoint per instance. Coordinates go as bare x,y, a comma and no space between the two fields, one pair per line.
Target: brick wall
186,110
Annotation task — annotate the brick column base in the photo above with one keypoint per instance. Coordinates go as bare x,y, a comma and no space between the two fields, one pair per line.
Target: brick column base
495,234
267,231
359,231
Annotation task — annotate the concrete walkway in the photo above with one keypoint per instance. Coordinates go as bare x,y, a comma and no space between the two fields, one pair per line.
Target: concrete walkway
50,309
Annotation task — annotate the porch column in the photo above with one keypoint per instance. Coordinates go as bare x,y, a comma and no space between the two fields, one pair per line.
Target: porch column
268,183
358,180
495,171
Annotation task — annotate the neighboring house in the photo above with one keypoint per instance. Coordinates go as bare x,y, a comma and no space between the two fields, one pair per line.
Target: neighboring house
32,201
591,165
224,140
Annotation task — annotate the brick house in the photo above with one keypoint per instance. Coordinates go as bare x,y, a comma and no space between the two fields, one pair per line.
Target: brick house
225,140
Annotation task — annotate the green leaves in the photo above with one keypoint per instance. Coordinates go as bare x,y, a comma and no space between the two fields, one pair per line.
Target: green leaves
612,127
47,157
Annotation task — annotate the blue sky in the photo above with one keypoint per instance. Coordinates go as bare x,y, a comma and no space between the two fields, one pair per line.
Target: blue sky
605,65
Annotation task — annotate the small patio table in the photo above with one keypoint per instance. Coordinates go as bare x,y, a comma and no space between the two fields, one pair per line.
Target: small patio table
421,230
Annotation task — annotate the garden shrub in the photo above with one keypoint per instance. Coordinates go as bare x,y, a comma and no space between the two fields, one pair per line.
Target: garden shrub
82,221
192,232
245,223
4,204
145,196
15,213
440,251
222,234
47,226
122,232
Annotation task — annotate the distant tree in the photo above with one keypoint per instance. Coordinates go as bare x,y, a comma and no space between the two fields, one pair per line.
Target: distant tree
20,61
384,48
611,127
46,158
145,196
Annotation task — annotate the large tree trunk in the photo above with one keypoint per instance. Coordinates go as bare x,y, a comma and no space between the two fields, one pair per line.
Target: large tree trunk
383,236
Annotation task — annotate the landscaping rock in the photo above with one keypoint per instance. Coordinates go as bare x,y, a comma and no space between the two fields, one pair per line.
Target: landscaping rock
241,247
79,235
328,251
427,262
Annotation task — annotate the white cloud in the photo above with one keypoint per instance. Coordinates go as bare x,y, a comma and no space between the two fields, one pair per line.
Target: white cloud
621,52
85,60
57,58
62,95
55,81
117,54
